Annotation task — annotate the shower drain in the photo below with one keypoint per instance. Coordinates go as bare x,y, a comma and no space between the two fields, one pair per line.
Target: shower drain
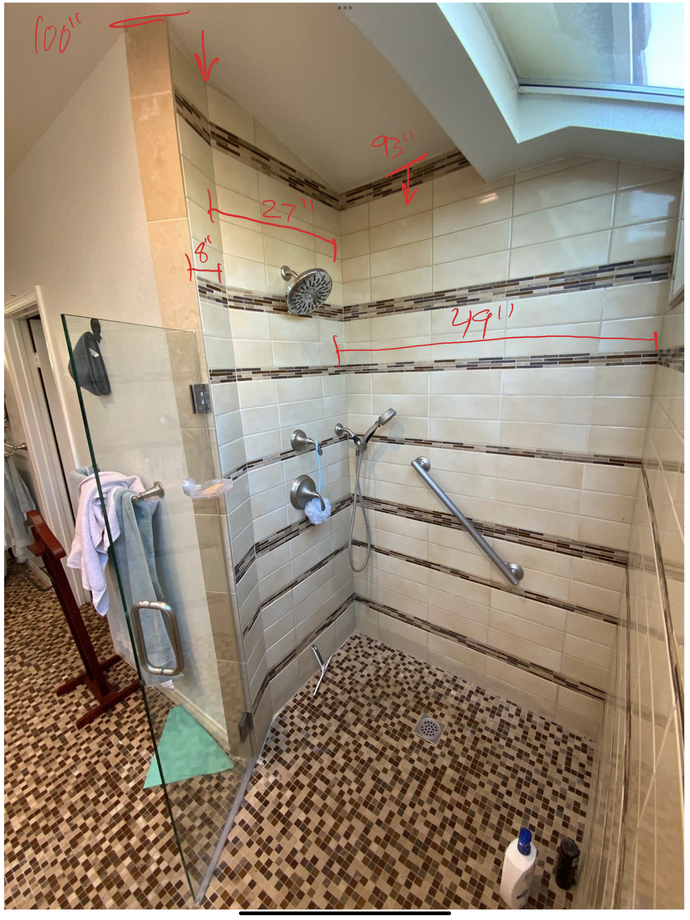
429,729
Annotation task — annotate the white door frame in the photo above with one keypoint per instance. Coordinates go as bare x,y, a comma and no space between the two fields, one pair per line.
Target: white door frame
20,366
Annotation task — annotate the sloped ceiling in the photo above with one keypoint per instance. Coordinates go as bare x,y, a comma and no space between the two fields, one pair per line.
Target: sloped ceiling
313,79
302,69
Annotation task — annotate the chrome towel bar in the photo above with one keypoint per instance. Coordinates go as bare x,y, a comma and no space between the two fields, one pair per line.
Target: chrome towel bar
512,571
156,491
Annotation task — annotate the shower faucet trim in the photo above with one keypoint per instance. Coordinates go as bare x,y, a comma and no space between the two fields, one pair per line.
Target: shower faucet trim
361,443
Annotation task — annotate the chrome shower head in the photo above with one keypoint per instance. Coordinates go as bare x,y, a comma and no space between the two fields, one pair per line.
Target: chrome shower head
383,419
308,291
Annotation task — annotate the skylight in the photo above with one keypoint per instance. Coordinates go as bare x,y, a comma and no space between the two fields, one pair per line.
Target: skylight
609,46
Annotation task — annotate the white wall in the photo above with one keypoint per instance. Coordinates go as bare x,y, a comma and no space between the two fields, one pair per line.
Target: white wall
75,220
76,226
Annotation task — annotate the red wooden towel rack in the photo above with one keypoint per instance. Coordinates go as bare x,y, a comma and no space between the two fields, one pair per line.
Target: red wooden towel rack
48,547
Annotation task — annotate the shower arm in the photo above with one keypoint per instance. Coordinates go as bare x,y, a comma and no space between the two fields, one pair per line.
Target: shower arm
511,570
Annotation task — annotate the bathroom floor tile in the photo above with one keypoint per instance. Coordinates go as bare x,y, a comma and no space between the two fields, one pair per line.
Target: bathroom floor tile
348,809
80,831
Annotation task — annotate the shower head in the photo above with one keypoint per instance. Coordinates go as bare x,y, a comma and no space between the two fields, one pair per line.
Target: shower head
383,419
308,291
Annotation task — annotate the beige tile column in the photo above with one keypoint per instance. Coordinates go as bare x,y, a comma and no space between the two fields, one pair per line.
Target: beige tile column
153,111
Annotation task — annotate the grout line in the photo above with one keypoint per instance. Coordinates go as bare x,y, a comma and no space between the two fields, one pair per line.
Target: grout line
486,582
521,663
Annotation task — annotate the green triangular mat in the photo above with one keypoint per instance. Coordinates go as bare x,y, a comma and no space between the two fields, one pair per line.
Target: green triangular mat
186,750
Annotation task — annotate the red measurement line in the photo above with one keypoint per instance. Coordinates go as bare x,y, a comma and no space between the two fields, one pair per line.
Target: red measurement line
254,220
503,338
406,166
142,20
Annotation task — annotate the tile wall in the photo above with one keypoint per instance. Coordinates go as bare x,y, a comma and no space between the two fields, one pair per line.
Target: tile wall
637,839
538,440
292,583
548,449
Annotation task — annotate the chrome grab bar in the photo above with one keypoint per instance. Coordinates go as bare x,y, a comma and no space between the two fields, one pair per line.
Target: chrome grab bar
173,634
512,571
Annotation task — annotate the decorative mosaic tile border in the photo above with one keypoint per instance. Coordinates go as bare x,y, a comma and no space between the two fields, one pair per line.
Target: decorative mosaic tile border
252,156
296,652
615,274
673,358
499,586
256,158
293,584
509,534
598,277
275,458
422,172
534,538
672,644
284,535
218,295
425,443
617,359
535,453
520,663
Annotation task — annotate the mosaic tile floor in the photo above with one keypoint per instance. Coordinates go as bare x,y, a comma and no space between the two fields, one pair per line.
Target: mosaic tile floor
80,832
347,808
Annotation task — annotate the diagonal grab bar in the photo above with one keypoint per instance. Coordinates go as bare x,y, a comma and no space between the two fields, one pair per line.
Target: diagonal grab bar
512,571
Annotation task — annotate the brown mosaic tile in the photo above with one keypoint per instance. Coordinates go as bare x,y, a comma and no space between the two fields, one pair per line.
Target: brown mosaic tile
521,663
617,359
81,832
348,809
537,539
252,156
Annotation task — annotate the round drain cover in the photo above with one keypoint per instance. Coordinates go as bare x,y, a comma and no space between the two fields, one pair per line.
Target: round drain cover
428,728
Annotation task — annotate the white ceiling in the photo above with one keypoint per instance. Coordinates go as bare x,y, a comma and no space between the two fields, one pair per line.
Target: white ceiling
302,69
39,86
311,77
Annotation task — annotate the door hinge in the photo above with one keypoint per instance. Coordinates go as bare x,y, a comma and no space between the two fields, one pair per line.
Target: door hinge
201,400
245,724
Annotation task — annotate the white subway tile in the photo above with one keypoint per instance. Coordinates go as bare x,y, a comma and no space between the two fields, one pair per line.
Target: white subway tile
476,270
228,114
472,212
560,255
408,229
643,241
652,202
394,206
401,258
464,183
563,221
402,284
583,181
474,242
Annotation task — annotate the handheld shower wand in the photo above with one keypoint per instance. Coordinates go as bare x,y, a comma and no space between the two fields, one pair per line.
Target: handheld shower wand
361,443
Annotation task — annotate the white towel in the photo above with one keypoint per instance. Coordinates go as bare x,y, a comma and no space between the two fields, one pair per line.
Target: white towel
89,551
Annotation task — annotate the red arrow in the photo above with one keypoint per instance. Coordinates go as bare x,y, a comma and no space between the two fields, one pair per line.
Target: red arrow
204,73
406,192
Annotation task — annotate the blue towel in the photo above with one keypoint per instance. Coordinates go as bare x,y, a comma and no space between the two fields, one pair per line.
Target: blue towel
17,502
136,564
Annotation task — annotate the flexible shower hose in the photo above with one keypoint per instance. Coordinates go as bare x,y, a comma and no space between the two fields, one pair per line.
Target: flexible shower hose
360,499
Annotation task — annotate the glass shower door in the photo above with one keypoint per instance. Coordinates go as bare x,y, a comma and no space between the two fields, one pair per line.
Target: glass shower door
168,602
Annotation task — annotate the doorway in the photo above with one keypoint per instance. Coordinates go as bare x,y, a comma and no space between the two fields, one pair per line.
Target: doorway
38,413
